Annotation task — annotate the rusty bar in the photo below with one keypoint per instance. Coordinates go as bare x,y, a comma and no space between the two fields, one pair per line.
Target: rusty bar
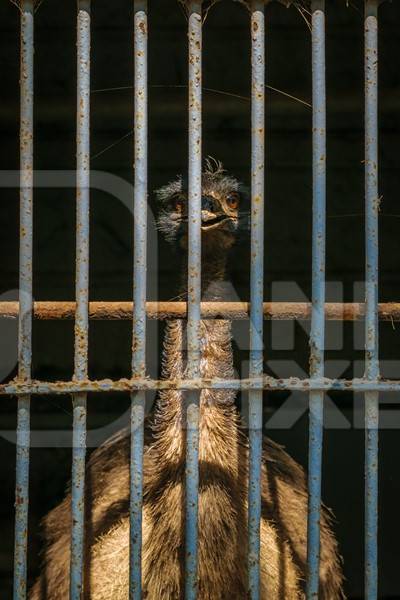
139,297
82,299
194,294
371,297
317,336
20,388
25,299
280,311
257,25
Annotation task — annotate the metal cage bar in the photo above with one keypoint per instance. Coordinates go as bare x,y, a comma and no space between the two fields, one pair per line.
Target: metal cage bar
317,335
139,296
371,297
25,299
256,288
280,311
264,382
82,298
194,293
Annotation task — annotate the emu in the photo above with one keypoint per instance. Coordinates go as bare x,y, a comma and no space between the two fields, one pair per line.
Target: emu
223,458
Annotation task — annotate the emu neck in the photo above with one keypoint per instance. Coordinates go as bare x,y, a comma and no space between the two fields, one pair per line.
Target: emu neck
214,284
218,415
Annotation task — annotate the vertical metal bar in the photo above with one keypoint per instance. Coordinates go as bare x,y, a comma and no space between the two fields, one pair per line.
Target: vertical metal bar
371,298
82,298
317,336
25,299
139,296
256,289
194,294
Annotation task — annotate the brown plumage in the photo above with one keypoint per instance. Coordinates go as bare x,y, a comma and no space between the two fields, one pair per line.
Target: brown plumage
222,572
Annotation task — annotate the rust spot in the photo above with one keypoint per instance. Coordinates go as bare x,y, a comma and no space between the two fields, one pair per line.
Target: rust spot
143,27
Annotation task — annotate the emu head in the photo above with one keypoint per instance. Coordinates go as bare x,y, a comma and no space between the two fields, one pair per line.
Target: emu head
224,209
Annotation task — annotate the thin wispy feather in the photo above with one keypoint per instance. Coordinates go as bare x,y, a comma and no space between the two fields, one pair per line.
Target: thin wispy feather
304,6
205,89
18,4
206,6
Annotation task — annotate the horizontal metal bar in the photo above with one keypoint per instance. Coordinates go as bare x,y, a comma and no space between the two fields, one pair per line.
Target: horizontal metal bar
19,388
277,311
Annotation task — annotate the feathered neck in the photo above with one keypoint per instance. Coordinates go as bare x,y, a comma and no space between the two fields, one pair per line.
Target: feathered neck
218,415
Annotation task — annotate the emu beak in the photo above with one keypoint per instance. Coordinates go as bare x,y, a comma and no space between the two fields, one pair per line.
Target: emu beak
207,216
212,214
211,220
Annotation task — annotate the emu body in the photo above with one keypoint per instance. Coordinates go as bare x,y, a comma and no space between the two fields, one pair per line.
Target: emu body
223,460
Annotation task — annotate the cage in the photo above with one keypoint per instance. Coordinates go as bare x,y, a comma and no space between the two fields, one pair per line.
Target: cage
289,274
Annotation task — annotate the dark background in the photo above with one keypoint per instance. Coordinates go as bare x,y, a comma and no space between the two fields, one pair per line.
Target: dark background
287,226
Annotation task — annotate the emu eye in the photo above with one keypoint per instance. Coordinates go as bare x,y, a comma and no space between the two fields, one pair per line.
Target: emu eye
178,204
232,200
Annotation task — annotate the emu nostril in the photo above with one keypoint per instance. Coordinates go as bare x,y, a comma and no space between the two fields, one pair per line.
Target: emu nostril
206,215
